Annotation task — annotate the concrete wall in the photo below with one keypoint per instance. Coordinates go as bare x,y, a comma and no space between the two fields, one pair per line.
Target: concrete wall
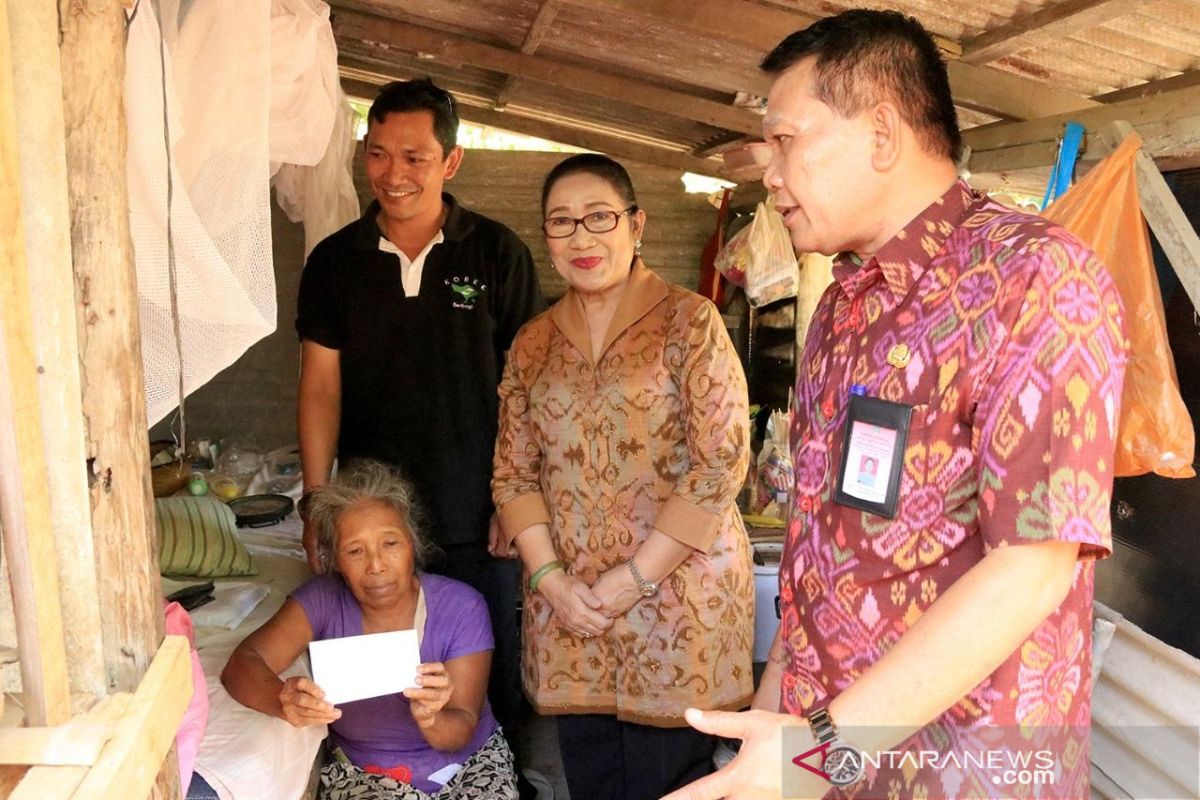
253,402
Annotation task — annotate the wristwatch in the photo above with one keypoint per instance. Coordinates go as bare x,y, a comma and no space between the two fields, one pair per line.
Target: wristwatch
842,764
644,586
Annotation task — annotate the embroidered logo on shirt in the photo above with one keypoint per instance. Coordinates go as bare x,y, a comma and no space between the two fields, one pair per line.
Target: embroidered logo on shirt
467,289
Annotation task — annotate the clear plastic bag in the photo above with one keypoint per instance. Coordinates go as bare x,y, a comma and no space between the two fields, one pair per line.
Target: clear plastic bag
760,258
775,472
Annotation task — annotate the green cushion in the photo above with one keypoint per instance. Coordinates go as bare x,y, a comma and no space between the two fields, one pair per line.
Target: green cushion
195,537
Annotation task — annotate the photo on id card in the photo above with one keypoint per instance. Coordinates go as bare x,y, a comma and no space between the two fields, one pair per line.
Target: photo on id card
873,455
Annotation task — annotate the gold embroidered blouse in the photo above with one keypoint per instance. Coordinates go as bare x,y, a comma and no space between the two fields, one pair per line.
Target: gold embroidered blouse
653,435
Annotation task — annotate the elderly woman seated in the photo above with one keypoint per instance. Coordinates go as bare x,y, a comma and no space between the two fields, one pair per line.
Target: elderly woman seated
439,740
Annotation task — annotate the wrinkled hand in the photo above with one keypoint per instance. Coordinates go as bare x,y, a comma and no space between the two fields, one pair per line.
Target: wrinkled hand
432,693
310,548
303,703
617,591
756,772
575,604
498,544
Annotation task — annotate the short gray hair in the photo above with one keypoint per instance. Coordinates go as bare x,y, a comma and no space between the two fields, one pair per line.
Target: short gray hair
365,481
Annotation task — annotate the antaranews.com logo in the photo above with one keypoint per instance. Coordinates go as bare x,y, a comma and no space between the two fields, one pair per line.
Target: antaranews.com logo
1049,763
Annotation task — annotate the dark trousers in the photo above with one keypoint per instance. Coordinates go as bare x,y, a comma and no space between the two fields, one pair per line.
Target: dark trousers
606,759
498,580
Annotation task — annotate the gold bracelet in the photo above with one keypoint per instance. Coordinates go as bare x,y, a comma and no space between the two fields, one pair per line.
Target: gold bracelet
543,571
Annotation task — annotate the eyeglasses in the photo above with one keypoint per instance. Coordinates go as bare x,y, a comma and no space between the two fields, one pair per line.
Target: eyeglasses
595,222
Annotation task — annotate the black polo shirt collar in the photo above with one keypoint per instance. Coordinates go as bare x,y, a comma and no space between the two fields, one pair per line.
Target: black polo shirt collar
458,225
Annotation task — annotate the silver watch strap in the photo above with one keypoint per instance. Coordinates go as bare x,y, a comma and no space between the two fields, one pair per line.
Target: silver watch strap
644,586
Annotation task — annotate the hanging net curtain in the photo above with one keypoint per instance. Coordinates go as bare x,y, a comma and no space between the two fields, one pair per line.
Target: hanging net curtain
248,85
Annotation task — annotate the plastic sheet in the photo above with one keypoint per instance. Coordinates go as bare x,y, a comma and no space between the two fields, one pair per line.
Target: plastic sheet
1154,432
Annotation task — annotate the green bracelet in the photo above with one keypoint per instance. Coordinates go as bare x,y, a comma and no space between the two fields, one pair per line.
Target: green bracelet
541,572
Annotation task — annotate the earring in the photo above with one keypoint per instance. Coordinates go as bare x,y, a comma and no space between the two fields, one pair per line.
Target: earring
637,247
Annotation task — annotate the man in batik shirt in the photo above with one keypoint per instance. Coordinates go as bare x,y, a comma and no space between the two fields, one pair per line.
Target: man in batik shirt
948,612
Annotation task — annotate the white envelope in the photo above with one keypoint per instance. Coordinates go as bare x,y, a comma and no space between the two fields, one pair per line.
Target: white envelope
358,667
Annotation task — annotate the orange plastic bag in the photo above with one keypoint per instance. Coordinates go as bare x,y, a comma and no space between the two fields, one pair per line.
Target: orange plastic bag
1155,432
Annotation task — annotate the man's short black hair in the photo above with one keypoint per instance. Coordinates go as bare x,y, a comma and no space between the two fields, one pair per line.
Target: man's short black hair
419,95
864,57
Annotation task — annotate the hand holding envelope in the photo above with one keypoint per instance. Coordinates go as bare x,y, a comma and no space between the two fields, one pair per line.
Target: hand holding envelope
303,703
433,694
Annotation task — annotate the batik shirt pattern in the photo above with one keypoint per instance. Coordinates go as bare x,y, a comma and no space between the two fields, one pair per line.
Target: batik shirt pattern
1016,356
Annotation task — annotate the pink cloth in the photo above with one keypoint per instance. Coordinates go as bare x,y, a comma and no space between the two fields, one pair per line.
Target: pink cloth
195,718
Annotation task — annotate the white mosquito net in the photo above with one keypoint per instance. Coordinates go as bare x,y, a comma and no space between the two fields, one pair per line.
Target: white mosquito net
247,84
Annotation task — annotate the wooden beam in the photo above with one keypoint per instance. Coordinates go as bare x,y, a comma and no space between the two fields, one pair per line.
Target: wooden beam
1051,22
761,27
24,495
37,87
1171,227
614,146
450,49
54,782
743,21
74,743
1183,81
538,29
92,55
1010,96
93,71
1140,111
146,732
718,143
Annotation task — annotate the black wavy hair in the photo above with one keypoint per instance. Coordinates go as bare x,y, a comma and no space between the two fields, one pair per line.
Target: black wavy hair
601,166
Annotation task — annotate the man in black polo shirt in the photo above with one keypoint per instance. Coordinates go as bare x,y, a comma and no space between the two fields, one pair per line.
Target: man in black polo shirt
404,319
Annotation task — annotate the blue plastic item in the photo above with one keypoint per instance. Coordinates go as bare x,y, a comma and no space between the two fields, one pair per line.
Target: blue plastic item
1063,172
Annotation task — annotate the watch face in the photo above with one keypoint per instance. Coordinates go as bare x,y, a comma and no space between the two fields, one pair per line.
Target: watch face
844,765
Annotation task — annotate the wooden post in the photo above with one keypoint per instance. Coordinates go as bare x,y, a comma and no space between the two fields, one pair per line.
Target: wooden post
24,500
126,544
1166,218
37,98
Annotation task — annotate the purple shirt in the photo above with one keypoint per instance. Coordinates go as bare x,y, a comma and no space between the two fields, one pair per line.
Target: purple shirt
381,730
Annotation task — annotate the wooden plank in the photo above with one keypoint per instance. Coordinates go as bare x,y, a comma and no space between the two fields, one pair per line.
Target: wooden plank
1048,23
1173,143
1183,81
534,37
93,72
60,783
74,743
146,732
540,27
716,144
1171,226
24,495
37,87
615,146
1025,156
738,20
1139,111
10,777
1006,95
432,45
92,56
762,27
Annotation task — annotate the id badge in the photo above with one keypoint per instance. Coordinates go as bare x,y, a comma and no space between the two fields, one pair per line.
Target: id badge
873,455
